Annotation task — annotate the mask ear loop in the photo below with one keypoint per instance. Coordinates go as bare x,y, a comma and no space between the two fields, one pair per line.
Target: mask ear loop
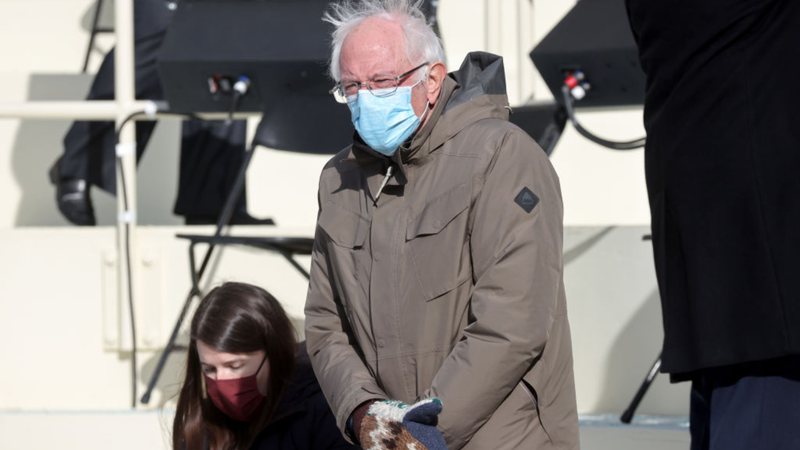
427,108
261,365
266,388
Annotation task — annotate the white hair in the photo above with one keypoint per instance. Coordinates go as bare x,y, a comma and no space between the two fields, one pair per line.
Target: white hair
422,44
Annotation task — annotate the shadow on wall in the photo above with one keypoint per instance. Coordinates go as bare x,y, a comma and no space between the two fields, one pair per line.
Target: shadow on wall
573,253
38,143
635,348
615,317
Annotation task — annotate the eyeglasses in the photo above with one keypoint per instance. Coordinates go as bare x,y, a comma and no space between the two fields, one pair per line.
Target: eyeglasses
386,86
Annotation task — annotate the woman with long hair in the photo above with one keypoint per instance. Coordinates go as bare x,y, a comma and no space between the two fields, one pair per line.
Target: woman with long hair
248,383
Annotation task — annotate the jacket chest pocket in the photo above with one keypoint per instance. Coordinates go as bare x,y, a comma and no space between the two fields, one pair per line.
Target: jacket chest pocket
438,244
347,232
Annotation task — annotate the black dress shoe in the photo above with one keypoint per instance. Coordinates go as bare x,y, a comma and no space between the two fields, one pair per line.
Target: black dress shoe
72,198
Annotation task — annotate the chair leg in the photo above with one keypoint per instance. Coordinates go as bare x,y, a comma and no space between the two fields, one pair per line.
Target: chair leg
92,35
289,257
627,416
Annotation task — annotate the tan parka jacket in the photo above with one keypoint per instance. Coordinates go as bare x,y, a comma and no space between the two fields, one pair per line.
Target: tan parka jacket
444,278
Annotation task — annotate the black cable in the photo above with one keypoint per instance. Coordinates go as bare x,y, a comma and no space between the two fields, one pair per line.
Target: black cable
129,274
130,286
128,258
234,105
624,145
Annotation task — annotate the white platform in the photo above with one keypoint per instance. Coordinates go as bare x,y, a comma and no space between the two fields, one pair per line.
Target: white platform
137,430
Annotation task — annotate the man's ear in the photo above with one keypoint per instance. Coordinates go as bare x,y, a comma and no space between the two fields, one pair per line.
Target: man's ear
435,80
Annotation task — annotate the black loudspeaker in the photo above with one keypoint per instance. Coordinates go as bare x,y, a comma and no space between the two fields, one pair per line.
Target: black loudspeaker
595,38
281,46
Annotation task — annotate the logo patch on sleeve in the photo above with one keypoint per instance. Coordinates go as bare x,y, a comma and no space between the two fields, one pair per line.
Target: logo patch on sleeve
526,200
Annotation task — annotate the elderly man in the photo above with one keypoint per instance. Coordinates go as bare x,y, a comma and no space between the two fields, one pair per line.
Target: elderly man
437,266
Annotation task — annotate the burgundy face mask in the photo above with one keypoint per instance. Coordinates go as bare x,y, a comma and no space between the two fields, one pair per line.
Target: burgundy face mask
238,398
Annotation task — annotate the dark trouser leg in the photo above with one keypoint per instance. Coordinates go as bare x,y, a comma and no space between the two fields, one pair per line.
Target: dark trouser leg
90,152
84,140
211,154
699,413
752,407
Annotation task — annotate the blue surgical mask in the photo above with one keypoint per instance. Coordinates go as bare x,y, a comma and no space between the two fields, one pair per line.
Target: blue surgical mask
384,122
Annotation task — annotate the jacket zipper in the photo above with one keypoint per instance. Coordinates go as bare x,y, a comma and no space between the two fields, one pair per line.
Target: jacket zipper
383,184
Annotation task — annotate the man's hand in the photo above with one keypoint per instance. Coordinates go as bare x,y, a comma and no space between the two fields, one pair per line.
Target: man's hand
390,424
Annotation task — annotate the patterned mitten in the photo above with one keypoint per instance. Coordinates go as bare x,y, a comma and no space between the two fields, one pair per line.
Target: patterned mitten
390,424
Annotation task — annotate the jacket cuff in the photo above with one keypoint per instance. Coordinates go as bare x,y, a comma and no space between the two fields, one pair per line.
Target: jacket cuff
353,427
357,396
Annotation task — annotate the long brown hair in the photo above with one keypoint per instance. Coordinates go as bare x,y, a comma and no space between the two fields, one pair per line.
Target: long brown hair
232,318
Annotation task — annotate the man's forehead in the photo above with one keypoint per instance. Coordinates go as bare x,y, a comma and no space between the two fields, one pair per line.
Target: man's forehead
375,46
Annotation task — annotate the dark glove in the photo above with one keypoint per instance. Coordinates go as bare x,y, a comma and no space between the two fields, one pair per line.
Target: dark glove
390,424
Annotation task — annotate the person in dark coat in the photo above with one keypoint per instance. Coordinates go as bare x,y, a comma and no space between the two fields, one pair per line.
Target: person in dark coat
723,176
247,383
211,151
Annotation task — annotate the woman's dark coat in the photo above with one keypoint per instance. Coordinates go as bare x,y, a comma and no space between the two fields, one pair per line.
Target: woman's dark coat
723,176
303,420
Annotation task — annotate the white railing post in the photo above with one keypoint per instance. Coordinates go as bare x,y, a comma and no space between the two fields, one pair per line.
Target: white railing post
125,96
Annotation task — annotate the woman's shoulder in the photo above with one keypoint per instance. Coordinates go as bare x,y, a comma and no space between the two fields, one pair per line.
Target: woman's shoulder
303,420
302,393
303,385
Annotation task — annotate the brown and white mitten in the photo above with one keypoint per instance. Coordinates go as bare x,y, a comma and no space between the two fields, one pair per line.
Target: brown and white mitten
391,424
